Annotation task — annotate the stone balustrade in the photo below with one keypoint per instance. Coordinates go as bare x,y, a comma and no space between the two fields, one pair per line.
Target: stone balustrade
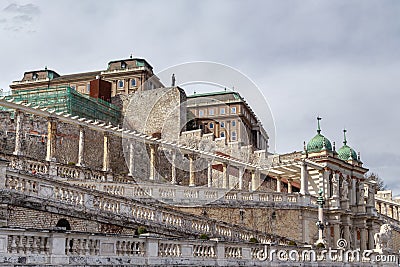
388,207
63,248
173,194
139,212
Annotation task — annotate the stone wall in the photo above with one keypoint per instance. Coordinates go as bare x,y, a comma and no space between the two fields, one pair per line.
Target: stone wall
275,220
34,139
29,218
161,111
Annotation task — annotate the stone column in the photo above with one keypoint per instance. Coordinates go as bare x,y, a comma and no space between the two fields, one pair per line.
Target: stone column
209,174
336,233
18,132
152,162
289,186
173,169
279,184
371,242
383,208
241,174
304,179
255,180
131,158
51,139
225,176
363,240
378,207
346,233
192,172
354,192
320,222
106,152
81,147
326,179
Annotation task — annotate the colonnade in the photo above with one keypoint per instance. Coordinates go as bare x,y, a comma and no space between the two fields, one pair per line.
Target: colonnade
51,146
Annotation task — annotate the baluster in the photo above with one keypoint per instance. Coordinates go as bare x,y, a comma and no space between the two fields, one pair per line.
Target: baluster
14,247
67,246
97,247
128,248
28,245
20,248
92,246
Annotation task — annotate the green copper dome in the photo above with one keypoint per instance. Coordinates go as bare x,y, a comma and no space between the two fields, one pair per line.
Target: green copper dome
319,142
345,152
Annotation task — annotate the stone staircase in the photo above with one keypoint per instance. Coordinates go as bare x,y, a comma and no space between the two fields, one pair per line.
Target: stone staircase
43,192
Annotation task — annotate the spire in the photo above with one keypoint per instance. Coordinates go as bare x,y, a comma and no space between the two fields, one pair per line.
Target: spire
319,126
344,137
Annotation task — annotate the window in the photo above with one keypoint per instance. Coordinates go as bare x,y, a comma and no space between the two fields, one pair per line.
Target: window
211,125
34,76
133,82
73,87
121,84
211,111
222,134
88,88
222,124
233,123
241,214
233,135
222,111
233,110
123,65
201,113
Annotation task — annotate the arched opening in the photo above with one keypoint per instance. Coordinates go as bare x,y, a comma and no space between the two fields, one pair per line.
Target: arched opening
63,223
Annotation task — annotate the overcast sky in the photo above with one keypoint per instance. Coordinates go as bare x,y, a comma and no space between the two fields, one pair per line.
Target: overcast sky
336,59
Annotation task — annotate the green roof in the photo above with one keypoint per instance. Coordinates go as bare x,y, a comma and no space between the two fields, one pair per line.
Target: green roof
345,152
319,142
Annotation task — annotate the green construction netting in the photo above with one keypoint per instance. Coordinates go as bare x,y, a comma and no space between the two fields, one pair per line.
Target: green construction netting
70,101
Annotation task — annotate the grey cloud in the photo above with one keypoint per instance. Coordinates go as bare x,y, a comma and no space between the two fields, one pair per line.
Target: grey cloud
22,18
337,59
29,9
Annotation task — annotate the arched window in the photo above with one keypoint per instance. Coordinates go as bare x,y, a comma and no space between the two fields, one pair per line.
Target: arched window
63,223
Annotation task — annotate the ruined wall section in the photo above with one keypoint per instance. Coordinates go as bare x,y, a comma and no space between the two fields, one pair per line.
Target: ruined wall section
161,111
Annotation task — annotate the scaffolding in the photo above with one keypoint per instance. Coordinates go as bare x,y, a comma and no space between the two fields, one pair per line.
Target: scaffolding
65,99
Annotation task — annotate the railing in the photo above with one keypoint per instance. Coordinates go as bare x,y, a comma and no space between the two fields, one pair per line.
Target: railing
173,194
63,248
167,193
115,207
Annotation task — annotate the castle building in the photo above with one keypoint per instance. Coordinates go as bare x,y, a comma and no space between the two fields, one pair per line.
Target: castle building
227,115
78,192
126,76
